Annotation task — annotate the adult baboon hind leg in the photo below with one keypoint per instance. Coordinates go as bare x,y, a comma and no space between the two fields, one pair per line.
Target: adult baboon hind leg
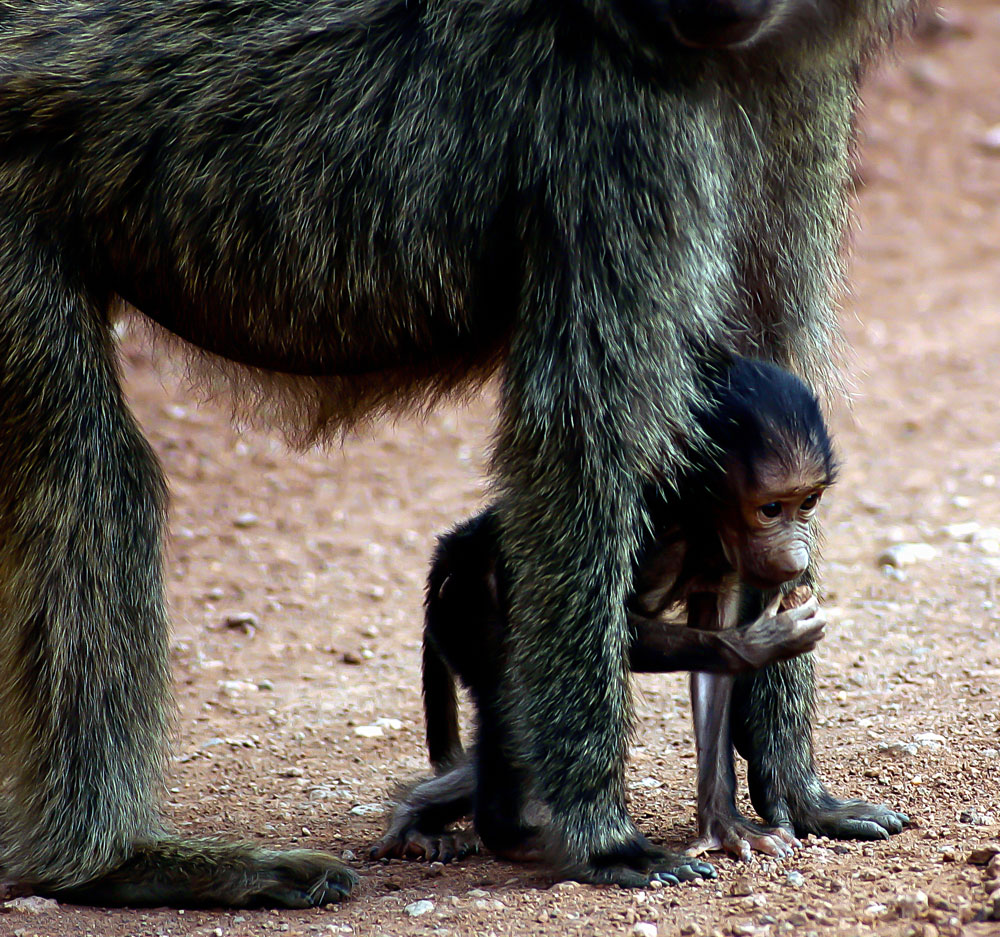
84,681
772,714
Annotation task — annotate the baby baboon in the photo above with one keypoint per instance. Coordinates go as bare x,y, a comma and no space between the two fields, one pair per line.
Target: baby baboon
742,514
372,203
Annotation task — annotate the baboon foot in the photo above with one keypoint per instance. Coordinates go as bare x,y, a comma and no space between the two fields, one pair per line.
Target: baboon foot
638,863
430,847
213,873
848,819
740,837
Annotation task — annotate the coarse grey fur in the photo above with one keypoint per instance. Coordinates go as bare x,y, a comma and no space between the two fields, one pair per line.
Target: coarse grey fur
374,203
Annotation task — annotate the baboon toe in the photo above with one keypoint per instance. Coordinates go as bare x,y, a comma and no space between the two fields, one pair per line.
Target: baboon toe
852,819
638,864
303,879
429,847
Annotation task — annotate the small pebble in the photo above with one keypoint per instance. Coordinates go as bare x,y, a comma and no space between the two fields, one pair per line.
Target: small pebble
984,854
898,749
247,622
974,817
795,879
906,554
368,810
990,141
963,532
644,929
559,886
912,905
489,904
741,886
247,519
874,911
927,75
30,904
418,908
232,688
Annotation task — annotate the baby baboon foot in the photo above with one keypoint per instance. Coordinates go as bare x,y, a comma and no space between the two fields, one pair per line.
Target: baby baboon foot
741,838
849,819
637,864
442,846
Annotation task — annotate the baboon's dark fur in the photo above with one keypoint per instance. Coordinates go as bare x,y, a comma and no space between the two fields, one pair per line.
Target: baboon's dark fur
389,199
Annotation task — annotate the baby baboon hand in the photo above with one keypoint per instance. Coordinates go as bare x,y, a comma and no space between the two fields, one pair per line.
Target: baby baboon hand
787,634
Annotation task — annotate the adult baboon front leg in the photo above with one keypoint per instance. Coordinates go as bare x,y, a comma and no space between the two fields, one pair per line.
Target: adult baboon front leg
84,681
570,454
772,728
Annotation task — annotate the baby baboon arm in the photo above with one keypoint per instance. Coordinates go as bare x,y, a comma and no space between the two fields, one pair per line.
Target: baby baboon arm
777,637
659,647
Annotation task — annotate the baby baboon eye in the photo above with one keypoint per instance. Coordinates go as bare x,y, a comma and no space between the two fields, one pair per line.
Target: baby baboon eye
772,509
810,502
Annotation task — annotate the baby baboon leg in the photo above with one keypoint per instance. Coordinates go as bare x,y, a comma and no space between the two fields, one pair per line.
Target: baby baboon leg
721,826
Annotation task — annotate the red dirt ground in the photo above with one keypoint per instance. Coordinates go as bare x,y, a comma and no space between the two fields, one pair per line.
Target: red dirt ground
328,551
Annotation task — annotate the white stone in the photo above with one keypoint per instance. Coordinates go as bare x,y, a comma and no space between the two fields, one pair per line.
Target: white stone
368,810
990,141
906,554
368,732
31,904
419,907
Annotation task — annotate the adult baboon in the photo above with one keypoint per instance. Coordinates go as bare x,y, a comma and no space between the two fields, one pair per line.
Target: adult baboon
392,199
